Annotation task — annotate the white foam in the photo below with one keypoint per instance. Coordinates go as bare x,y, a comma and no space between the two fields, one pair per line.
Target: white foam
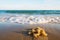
30,19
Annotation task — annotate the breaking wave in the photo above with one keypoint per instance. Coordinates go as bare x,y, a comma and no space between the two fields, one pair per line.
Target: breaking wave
29,19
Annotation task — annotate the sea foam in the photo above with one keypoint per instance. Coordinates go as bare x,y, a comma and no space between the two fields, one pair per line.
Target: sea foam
29,19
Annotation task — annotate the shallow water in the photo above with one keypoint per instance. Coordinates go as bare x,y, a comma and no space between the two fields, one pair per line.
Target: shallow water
7,30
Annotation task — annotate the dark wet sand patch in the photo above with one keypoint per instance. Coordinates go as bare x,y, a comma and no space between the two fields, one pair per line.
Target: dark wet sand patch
19,33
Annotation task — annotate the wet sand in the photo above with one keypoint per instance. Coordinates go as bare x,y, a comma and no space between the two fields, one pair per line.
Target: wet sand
18,32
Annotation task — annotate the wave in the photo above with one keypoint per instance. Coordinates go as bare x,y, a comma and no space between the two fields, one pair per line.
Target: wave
41,12
30,19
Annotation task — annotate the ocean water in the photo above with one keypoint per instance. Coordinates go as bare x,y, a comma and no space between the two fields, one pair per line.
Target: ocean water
29,16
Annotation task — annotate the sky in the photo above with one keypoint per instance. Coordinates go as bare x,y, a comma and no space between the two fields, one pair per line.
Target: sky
29,4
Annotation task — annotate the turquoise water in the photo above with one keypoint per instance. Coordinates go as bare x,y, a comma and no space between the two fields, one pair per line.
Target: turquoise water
37,12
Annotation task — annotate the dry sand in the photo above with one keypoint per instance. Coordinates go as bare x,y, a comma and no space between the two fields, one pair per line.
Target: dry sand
19,32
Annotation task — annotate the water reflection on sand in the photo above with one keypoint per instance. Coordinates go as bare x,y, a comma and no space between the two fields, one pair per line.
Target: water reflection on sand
7,31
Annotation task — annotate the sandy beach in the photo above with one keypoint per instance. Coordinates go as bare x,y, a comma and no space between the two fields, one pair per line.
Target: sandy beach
19,32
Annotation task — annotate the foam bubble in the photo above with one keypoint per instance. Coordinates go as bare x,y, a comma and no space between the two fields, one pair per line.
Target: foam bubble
30,19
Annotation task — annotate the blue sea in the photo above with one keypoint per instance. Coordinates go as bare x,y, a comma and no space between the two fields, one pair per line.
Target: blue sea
29,16
30,12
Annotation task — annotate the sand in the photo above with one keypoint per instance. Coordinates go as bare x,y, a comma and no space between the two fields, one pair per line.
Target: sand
19,32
